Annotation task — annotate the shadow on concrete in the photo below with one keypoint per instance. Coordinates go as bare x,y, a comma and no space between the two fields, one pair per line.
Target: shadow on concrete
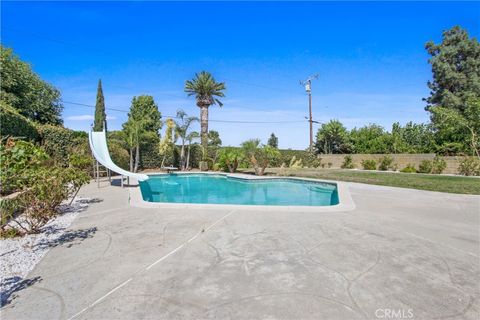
78,205
12,285
69,238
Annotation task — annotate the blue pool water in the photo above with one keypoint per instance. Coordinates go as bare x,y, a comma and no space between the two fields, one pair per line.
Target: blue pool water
219,189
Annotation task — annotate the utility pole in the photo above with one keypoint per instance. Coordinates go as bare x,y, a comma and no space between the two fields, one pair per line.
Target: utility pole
308,88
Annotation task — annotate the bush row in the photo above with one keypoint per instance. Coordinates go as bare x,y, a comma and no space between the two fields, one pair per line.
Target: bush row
13,124
469,166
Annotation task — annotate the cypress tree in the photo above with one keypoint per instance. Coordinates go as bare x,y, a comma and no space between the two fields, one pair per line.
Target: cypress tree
100,116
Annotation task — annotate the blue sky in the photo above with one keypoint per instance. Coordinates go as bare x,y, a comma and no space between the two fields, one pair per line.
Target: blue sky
370,56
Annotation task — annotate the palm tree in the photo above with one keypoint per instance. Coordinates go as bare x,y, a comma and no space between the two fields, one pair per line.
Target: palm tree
181,130
206,90
133,131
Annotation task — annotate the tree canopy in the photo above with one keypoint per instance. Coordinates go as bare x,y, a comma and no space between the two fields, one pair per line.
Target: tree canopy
205,89
332,137
456,70
144,120
23,89
455,89
371,138
145,109
273,141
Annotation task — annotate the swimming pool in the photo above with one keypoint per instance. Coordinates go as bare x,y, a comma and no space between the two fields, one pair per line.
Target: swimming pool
222,189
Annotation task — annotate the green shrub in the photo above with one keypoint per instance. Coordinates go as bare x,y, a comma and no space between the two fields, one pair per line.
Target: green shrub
229,159
18,158
149,152
81,162
410,168
41,188
195,154
309,159
58,143
260,156
295,163
40,198
438,165
119,155
386,163
425,166
469,166
369,164
13,124
347,163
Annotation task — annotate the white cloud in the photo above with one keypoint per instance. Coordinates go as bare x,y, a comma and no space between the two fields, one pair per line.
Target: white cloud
83,117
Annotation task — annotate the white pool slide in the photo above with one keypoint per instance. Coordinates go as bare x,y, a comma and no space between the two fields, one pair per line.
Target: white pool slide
98,144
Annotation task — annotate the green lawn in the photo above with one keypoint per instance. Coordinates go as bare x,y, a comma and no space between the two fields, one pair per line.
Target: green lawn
451,184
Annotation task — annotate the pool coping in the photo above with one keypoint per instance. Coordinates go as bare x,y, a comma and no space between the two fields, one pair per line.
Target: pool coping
345,199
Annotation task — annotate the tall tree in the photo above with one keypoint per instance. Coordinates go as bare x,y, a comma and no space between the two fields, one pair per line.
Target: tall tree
144,108
371,139
332,137
100,116
455,85
466,124
143,119
456,70
412,138
23,89
273,141
181,129
206,91
132,132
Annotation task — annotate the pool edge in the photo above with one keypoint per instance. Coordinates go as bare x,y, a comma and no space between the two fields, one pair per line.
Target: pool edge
345,200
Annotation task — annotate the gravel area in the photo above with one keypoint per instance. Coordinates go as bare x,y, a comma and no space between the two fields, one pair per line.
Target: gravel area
18,256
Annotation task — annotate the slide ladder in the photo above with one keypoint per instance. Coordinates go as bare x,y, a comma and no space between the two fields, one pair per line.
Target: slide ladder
98,145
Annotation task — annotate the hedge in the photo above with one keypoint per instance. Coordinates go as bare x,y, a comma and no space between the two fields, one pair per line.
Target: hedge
118,154
308,158
149,156
58,142
15,125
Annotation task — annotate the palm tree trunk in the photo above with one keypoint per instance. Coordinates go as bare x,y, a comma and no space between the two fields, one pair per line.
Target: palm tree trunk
204,129
137,158
182,155
188,157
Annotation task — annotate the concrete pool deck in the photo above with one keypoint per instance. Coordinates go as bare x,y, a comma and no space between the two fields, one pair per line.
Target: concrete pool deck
405,253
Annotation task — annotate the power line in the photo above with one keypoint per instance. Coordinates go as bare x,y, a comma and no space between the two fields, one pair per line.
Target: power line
175,117
90,106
